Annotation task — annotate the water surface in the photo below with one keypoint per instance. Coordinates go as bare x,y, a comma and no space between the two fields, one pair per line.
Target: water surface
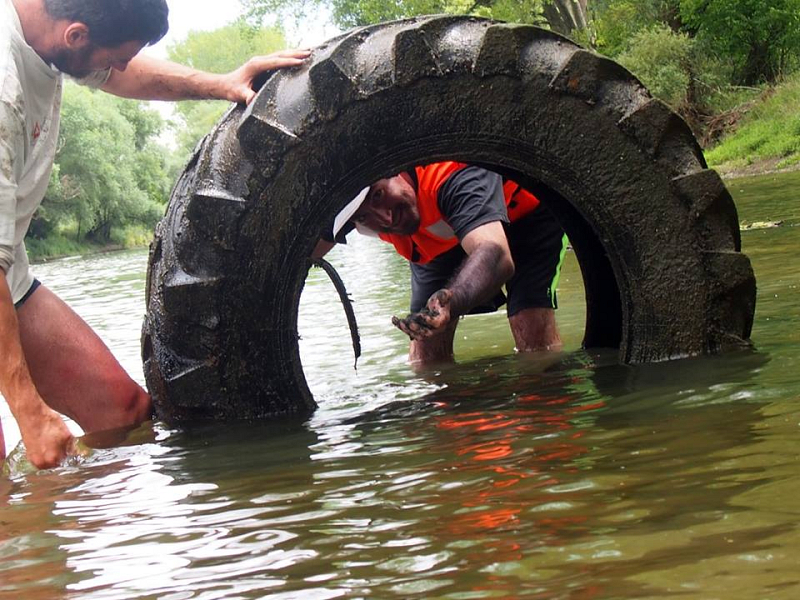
503,476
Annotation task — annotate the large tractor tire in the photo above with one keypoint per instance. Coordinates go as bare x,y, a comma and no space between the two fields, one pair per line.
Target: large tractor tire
656,233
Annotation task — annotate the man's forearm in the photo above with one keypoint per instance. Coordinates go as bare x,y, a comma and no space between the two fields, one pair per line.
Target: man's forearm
16,384
148,78
480,277
322,248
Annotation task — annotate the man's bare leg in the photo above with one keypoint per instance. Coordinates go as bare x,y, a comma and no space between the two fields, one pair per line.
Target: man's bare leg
436,349
535,329
73,370
2,444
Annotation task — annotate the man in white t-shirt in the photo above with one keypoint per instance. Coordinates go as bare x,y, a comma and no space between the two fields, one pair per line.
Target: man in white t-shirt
50,360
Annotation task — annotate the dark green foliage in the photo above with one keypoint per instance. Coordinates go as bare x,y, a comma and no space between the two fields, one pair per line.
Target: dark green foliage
663,60
757,40
681,71
702,57
614,23
760,37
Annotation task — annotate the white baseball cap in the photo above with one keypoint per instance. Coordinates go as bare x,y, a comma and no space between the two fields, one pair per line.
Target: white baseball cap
348,211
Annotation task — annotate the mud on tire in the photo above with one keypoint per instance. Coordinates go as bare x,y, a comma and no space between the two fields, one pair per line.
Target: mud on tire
656,233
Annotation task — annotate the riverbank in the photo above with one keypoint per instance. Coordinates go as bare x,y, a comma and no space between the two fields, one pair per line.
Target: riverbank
768,166
85,251
60,246
765,138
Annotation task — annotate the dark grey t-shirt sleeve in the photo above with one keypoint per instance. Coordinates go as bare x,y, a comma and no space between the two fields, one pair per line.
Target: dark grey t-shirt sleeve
472,197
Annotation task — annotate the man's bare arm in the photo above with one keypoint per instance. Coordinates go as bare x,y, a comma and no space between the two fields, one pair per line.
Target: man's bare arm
46,436
148,78
487,267
322,248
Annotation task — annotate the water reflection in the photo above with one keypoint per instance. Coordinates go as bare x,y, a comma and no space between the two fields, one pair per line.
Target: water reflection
577,481
527,492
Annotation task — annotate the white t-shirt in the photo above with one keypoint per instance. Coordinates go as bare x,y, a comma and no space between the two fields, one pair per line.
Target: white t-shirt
30,103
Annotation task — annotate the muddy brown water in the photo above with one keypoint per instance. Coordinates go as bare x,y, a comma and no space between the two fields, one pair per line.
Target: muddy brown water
502,476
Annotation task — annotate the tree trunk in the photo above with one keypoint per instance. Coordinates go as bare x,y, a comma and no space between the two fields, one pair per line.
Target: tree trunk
758,68
566,16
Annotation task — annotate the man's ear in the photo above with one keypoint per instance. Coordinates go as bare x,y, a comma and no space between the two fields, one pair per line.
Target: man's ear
76,36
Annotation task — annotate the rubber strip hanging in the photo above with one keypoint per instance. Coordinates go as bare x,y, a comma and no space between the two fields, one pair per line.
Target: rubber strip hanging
347,303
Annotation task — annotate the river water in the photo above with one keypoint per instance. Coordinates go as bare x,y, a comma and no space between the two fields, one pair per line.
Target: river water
503,476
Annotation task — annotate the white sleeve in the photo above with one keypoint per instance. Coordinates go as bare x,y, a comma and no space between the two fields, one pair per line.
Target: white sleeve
95,79
12,131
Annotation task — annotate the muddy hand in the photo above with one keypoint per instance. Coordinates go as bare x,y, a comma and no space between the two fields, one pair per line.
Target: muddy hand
416,325
430,321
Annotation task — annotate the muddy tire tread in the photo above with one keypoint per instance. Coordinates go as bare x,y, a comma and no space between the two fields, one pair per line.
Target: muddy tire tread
224,269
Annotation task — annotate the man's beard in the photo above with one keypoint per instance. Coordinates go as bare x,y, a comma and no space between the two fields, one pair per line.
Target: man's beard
74,62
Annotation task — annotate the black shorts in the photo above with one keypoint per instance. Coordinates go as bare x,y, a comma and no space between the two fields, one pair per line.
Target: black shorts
34,286
537,244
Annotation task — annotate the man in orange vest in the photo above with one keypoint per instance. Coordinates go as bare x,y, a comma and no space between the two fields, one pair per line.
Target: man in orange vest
466,233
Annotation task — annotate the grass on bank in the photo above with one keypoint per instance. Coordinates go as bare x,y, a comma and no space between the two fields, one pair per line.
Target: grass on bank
769,131
63,244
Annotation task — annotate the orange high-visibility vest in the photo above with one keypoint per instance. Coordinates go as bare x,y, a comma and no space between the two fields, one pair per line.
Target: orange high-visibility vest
435,236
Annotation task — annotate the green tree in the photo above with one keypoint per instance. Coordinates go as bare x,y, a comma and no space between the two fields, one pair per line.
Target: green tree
151,159
760,37
57,209
102,179
662,59
147,124
218,51
615,23
564,16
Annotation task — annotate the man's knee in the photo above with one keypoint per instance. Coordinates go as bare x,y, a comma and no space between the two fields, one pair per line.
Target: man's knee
535,329
117,401
132,404
139,407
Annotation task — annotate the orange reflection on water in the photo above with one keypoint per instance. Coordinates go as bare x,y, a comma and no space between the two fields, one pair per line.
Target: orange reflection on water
498,444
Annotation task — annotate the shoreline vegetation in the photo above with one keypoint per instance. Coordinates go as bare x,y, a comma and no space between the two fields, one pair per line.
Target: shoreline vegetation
58,246
762,136
84,250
